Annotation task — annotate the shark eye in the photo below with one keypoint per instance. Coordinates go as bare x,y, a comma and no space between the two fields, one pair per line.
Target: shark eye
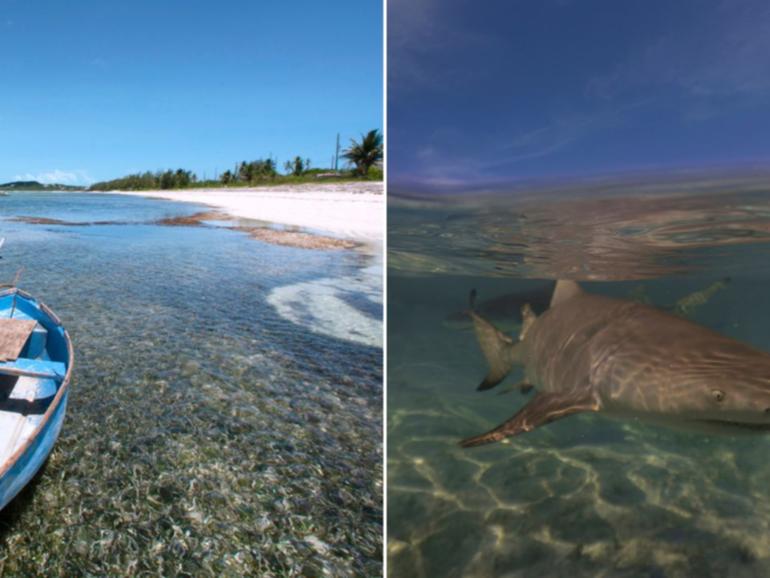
718,394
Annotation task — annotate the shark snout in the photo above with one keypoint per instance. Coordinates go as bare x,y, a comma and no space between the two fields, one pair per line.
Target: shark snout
735,407
751,416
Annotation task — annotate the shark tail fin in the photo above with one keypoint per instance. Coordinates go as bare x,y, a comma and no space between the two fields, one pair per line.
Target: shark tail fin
499,349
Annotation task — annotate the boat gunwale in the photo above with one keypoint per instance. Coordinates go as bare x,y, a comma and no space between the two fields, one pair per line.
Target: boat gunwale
13,458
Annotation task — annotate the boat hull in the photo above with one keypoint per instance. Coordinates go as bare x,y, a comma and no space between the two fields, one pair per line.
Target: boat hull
35,385
28,464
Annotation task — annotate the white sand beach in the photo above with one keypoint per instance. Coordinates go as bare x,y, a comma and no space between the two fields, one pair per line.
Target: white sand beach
351,210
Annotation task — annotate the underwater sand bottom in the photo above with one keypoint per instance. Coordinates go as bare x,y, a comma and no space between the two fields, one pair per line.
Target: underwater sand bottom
587,496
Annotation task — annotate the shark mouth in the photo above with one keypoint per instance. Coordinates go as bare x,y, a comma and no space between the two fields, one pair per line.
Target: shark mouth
737,424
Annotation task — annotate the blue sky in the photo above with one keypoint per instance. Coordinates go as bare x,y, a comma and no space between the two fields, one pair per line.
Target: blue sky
95,89
500,90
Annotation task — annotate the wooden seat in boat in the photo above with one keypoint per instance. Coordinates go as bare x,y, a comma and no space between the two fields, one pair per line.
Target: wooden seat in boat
14,334
34,368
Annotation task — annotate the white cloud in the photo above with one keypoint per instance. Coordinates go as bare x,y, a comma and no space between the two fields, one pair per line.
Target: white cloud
57,176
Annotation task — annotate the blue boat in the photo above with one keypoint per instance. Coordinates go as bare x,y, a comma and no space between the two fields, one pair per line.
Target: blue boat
35,369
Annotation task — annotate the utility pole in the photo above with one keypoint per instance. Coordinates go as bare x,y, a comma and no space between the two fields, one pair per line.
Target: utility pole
337,153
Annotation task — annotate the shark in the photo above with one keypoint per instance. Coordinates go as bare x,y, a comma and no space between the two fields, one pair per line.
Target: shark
505,311
628,360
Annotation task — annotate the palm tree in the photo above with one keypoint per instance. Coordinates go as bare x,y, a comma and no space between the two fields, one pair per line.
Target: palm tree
365,153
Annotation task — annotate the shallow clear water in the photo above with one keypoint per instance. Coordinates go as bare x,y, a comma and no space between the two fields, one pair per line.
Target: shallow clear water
206,433
586,495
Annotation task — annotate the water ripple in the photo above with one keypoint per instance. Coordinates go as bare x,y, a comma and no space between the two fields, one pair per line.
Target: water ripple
624,231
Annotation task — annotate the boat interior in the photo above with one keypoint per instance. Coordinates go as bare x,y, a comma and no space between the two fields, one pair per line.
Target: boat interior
33,365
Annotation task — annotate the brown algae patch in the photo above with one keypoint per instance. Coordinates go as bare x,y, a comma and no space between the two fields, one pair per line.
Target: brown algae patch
296,238
283,237
45,221
50,221
194,220
184,220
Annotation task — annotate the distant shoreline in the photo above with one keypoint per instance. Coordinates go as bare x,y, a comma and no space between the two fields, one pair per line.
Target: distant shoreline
350,210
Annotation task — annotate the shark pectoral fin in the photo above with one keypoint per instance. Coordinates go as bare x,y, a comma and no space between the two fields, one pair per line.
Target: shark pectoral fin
544,408
498,349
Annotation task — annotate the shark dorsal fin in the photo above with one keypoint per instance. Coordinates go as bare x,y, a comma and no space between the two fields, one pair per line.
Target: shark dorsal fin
564,290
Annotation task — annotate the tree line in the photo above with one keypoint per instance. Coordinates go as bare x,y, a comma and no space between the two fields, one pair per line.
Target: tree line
163,180
363,154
